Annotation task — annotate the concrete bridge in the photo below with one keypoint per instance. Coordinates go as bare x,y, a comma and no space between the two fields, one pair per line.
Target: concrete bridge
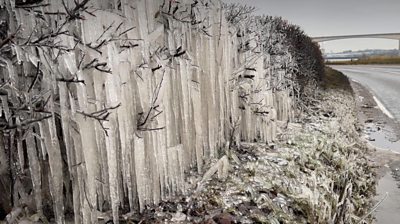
392,36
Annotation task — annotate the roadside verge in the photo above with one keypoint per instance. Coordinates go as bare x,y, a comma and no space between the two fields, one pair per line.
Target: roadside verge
320,171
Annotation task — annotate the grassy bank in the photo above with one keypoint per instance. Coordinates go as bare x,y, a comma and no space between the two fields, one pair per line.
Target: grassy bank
335,80
384,60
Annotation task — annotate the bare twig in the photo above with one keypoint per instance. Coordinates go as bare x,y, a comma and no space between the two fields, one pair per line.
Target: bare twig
72,80
151,129
105,31
75,13
35,78
374,208
9,38
100,116
122,33
31,6
28,122
98,66
152,104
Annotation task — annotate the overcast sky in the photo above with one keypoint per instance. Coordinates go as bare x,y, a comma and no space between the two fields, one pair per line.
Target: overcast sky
338,17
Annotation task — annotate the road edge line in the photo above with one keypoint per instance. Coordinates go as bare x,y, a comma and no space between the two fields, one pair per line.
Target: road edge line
382,107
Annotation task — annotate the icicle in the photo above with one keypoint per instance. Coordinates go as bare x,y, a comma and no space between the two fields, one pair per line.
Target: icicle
69,145
81,212
12,75
141,175
43,148
4,163
112,144
48,132
55,161
70,62
113,175
34,167
21,158
5,107
86,127
20,54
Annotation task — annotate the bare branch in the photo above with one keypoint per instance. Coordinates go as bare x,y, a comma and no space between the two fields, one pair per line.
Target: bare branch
25,123
9,38
31,6
98,66
73,80
100,116
35,78
152,105
126,31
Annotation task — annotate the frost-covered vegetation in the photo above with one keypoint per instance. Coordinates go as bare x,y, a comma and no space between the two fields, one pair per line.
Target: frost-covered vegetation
107,107
319,172
281,39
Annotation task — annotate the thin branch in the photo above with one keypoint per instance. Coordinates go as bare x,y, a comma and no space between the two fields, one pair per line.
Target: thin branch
9,38
105,31
154,100
26,123
126,31
72,80
119,26
100,116
31,6
36,77
151,129
374,208
98,66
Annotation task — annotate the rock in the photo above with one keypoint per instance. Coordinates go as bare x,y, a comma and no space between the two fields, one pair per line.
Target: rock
209,221
367,106
178,217
369,120
369,138
224,218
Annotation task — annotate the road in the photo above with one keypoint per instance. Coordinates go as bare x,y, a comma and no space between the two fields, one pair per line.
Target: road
383,81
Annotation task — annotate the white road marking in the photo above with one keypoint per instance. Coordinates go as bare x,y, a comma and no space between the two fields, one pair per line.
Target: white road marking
383,108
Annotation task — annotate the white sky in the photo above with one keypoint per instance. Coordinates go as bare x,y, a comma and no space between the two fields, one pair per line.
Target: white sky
337,17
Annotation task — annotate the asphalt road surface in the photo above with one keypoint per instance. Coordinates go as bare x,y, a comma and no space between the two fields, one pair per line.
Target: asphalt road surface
383,81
